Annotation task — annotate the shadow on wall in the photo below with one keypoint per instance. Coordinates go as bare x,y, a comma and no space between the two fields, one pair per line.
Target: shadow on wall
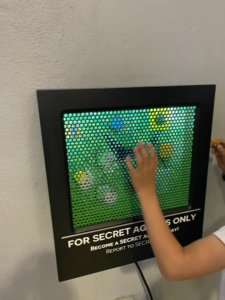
36,279
202,288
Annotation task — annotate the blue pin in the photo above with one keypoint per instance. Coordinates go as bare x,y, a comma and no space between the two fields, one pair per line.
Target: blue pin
116,123
73,129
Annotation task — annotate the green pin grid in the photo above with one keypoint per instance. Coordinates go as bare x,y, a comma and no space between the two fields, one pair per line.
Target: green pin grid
96,145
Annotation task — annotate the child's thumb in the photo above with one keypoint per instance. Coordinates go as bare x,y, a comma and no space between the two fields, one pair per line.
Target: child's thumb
221,150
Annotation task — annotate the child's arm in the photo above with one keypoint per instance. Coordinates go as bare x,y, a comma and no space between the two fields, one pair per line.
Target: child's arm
175,262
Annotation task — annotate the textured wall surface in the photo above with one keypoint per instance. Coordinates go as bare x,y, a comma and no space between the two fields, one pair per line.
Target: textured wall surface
46,44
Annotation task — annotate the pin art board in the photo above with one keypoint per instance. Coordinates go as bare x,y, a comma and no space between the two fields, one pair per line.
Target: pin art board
86,136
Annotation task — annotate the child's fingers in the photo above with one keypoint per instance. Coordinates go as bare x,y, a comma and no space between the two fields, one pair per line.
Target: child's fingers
143,150
137,155
221,150
213,150
152,152
222,142
129,164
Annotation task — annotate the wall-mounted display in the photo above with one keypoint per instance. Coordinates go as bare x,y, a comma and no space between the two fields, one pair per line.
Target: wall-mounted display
87,134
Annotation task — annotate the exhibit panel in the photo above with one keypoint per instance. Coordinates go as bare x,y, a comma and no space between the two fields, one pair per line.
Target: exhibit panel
87,134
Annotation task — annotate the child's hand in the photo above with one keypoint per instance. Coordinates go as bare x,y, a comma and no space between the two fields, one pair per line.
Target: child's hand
143,178
219,151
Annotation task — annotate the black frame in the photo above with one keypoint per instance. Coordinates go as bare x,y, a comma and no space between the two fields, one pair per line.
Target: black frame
52,103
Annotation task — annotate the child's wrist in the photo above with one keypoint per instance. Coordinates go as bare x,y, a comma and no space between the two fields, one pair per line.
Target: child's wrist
146,194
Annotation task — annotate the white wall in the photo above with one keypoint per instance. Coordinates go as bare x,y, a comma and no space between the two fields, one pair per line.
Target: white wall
82,44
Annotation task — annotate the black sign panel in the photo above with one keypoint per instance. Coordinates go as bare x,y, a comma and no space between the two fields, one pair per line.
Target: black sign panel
100,250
